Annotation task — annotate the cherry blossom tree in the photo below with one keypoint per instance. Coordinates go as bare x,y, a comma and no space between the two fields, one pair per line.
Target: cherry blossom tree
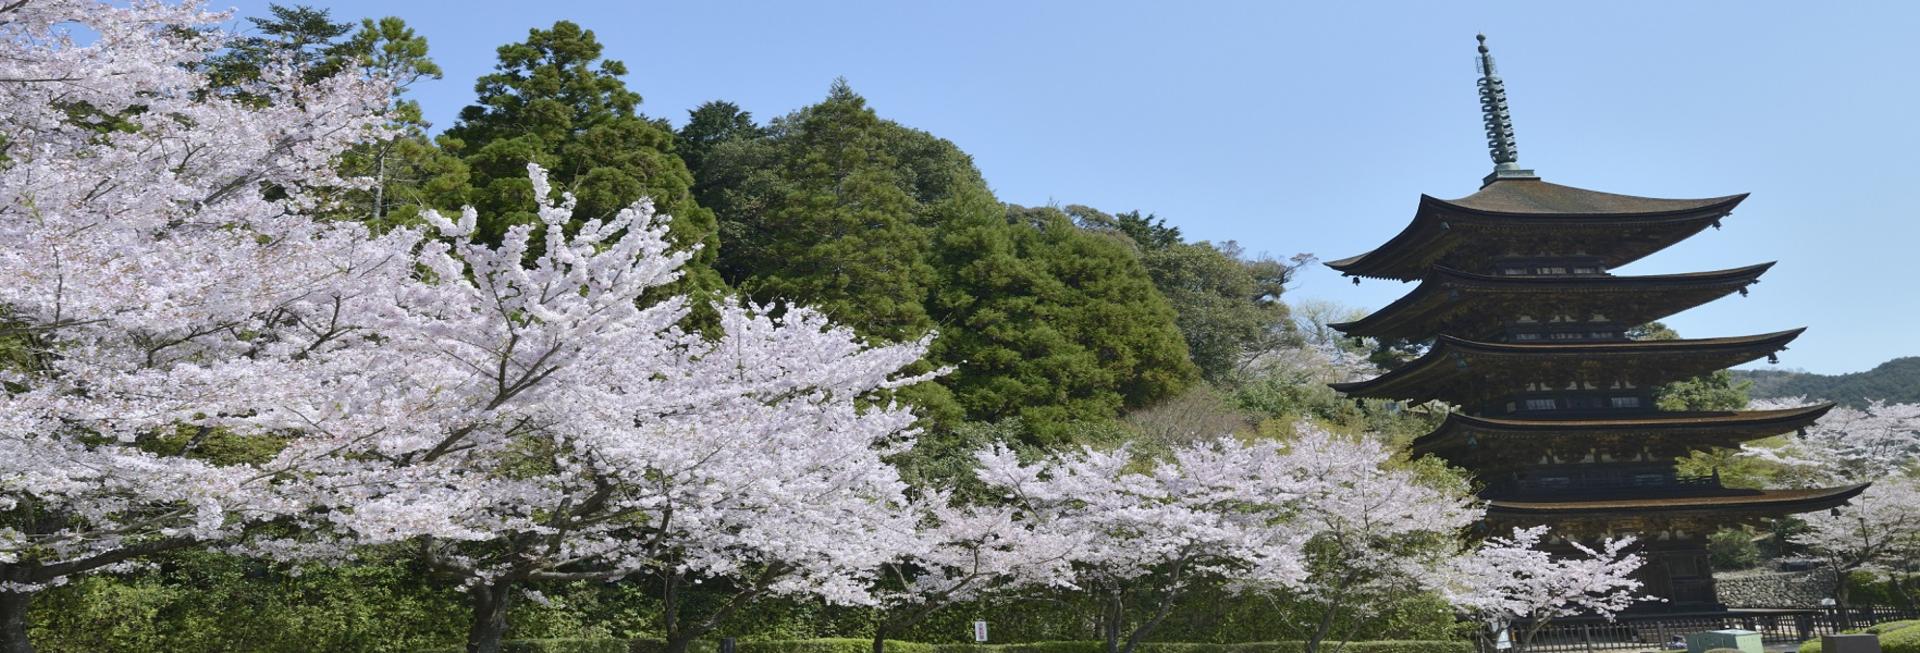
529,418
965,551
1517,580
515,413
164,290
1320,515
1877,532
1847,445
1379,531
1154,533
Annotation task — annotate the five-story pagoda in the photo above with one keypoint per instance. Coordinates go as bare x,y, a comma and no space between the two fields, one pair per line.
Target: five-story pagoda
1554,401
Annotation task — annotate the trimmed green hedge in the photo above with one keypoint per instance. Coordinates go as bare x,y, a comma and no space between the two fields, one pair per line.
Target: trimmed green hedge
1895,637
849,645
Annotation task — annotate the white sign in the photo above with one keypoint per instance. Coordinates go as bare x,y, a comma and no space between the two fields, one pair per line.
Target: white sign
980,631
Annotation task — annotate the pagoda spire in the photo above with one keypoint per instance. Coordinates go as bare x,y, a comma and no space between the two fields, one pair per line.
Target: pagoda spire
1499,122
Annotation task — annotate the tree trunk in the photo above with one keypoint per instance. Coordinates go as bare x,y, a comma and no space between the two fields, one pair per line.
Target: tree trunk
1115,609
490,604
13,622
681,641
879,640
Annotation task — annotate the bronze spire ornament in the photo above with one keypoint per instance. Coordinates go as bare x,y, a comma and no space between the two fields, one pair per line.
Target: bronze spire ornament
1499,122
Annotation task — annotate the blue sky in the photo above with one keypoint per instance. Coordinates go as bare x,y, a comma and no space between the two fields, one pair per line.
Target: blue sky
1315,127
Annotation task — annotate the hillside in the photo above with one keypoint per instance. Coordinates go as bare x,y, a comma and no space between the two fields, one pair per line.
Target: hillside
1897,380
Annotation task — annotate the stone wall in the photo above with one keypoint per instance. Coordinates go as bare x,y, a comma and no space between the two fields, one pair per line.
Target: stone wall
1774,589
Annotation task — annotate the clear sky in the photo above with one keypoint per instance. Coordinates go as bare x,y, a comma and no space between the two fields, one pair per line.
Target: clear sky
1315,127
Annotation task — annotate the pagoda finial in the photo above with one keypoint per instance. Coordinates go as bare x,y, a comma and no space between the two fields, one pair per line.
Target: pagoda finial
1499,122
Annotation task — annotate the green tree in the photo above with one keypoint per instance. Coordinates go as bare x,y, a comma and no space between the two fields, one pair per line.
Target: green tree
1225,305
554,101
834,225
409,172
302,36
894,231
1051,323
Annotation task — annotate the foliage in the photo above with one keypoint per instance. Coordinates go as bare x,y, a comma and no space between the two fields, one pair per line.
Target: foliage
1226,306
1895,637
1896,381
892,231
1731,549
554,101
195,601
1047,322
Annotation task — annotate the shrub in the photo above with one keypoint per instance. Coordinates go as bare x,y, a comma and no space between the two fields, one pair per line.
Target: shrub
828,645
1895,637
1382,646
1733,549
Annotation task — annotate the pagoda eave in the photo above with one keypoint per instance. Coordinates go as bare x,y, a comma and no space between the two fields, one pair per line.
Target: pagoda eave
1511,212
1468,304
1731,503
1464,371
1716,428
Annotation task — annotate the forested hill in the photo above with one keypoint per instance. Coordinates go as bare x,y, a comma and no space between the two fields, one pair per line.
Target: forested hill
1897,380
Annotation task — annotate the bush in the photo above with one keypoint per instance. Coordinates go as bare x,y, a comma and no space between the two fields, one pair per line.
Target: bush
827,645
1381,646
1732,549
1895,637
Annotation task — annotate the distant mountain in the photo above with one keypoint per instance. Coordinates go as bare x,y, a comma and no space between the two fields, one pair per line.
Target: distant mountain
1897,381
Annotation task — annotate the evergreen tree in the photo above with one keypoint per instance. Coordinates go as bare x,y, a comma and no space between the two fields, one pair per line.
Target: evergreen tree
1048,322
409,172
894,231
832,223
302,36
554,101
1225,305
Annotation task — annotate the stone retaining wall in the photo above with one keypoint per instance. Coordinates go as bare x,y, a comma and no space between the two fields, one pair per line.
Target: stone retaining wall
1762,589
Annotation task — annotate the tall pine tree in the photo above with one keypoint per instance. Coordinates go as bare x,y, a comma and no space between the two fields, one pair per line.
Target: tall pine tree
553,100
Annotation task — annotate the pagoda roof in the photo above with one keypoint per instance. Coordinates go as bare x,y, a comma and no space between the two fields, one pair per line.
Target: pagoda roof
1468,372
1473,305
1697,428
1533,216
1726,503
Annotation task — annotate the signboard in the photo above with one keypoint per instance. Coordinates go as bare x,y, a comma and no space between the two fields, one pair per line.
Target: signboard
980,631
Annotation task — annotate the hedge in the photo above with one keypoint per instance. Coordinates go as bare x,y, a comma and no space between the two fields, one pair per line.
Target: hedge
848,645
1895,637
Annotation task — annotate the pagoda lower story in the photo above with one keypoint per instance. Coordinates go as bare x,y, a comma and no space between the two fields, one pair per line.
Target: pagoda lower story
1552,404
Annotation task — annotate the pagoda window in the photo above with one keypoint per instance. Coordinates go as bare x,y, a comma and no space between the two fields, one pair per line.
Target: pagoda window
1526,336
1626,402
1514,271
1567,335
1541,404
1586,270
1601,335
